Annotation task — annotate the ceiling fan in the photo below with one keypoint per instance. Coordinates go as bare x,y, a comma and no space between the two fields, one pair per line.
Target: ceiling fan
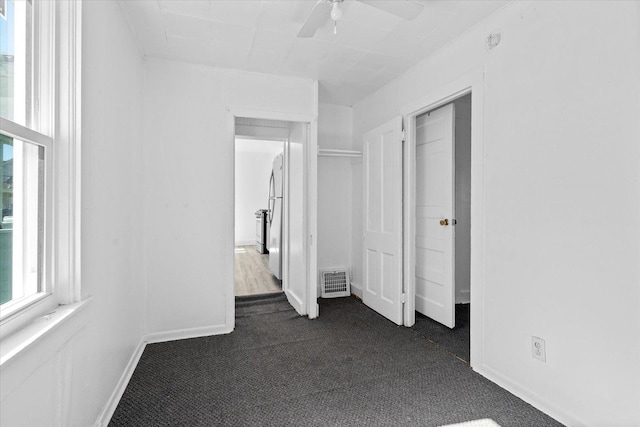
325,9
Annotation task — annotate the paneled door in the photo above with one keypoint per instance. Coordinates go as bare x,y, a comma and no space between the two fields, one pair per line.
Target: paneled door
382,240
435,186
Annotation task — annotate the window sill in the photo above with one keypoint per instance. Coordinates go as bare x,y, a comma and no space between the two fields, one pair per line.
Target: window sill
21,340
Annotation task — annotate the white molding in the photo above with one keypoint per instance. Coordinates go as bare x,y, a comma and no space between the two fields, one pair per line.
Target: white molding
59,92
473,83
67,250
23,133
311,217
15,344
246,243
105,416
295,301
539,402
310,203
269,115
356,289
229,287
329,152
183,334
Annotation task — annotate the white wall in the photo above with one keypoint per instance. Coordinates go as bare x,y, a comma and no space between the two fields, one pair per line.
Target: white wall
561,199
334,187
188,184
66,378
253,164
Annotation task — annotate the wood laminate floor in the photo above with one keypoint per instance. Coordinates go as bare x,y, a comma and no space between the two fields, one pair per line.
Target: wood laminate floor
252,273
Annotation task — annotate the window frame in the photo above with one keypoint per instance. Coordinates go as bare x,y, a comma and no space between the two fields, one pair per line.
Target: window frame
29,136
55,125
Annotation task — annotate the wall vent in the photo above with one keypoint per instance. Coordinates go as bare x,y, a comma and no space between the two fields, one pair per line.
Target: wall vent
335,283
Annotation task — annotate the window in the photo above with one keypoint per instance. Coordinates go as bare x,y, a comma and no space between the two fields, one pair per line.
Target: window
39,226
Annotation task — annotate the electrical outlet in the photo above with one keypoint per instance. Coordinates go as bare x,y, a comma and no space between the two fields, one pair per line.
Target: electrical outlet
538,348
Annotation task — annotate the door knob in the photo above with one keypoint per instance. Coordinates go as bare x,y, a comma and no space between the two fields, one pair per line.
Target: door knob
444,222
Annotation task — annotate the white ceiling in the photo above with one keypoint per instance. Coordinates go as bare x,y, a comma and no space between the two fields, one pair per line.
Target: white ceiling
371,47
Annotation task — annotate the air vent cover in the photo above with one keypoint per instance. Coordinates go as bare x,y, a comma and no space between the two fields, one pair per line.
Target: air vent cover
335,283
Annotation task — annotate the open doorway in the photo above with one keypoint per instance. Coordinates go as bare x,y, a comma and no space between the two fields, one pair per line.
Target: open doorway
258,215
443,225
293,193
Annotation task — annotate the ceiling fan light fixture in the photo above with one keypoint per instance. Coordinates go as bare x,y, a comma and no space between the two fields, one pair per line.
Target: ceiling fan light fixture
336,12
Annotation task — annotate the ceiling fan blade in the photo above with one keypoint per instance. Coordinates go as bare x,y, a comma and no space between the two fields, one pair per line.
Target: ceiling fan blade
316,19
405,9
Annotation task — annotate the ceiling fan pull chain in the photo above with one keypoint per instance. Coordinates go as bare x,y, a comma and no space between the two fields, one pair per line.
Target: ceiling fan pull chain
335,27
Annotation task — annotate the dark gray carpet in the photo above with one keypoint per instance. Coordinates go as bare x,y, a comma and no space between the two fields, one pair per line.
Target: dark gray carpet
456,340
350,367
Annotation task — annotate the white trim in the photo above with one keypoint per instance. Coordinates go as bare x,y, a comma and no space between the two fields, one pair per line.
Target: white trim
311,216
294,301
183,334
229,259
310,220
67,250
269,115
105,416
24,134
44,72
13,308
16,343
285,243
470,83
356,289
329,152
534,399
57,90
246,243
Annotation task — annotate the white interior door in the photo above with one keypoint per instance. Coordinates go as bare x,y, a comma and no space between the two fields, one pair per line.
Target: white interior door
295,255
435,186
382,258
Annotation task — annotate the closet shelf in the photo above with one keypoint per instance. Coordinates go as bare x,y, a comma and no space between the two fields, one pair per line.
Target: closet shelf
326,152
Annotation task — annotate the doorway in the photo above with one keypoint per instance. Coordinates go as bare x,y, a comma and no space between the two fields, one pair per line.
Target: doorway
297,200
258,215
443,224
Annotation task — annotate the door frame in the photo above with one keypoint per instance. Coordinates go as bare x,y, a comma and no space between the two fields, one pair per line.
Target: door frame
310,167
470,83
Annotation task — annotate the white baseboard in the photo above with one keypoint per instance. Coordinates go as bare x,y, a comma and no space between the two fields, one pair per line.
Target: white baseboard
356,289
246,243
295,302
555,412
182,334
114,399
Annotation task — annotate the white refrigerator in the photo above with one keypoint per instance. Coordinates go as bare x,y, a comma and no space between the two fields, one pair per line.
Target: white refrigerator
275,216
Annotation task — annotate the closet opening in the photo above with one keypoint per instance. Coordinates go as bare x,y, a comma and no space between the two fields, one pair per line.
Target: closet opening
442,232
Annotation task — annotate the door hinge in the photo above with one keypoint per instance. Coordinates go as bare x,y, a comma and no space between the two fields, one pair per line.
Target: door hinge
403,298
310,239
404,135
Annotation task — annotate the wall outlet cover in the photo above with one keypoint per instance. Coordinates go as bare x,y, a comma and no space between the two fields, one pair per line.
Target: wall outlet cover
538,349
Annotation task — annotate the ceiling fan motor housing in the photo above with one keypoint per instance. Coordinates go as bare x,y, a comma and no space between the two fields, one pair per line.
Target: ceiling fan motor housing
336,13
